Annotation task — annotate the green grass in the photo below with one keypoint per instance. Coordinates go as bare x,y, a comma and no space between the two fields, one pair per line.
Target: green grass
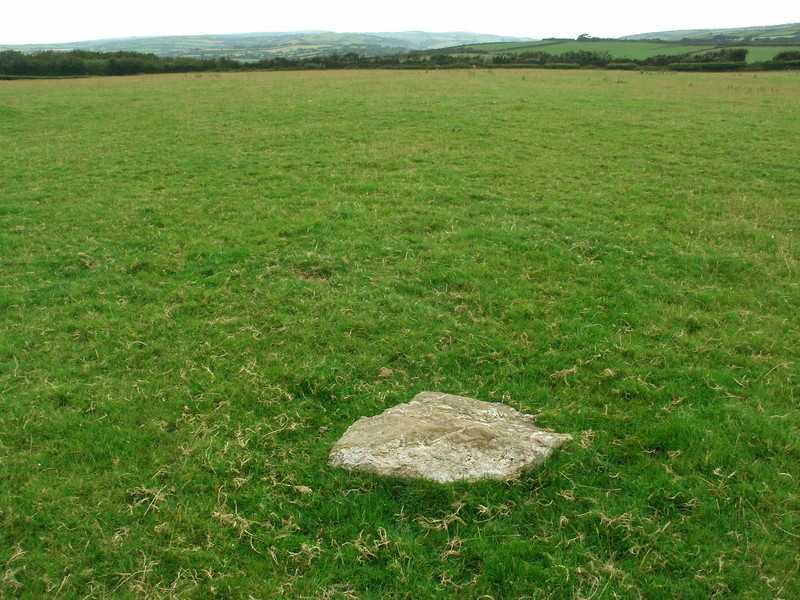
205,279
617,48
765,53
630,49
769,32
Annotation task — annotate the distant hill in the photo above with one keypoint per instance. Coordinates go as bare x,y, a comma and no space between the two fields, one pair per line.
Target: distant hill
423,40
762,44
788,33
258,46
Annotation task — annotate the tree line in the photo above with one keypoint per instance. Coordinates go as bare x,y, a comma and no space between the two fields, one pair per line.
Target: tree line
74,63
78,63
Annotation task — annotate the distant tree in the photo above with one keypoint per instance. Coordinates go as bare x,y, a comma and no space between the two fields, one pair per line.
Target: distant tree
726,55
585,58
10,62
442,59
721,55
69,64
787,55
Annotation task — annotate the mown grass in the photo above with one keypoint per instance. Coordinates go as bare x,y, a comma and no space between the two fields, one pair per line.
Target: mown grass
206,280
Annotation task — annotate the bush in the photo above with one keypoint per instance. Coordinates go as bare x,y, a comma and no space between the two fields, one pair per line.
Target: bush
778,65
718,56
538,58
585,58
623,66
706,66
514,66
724,55
787,55
561,66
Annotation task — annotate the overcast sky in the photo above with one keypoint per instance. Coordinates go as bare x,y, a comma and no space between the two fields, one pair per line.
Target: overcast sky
51,21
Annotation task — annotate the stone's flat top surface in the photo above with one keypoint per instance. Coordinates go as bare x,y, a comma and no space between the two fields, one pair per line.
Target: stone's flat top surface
446,438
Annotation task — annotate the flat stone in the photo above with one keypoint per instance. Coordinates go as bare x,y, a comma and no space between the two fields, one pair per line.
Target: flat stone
446,438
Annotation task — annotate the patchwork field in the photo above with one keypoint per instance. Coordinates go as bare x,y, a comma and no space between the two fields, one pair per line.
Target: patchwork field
617,48
204,280
630,49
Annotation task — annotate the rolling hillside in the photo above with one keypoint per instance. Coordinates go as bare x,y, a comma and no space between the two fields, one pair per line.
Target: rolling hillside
769,34
621,49
258,46
763,44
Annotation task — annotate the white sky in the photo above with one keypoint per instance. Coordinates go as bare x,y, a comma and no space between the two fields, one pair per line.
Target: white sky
51,21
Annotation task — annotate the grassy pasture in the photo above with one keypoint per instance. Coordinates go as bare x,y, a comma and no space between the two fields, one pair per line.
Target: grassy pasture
765,53
205,279
617,48
785,31
631,49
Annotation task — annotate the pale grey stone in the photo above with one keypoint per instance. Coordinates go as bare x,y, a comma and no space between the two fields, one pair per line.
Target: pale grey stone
446,438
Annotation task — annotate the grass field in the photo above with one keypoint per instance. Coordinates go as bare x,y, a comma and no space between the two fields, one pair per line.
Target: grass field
617,48
785,31
206,279
630,49
765,53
